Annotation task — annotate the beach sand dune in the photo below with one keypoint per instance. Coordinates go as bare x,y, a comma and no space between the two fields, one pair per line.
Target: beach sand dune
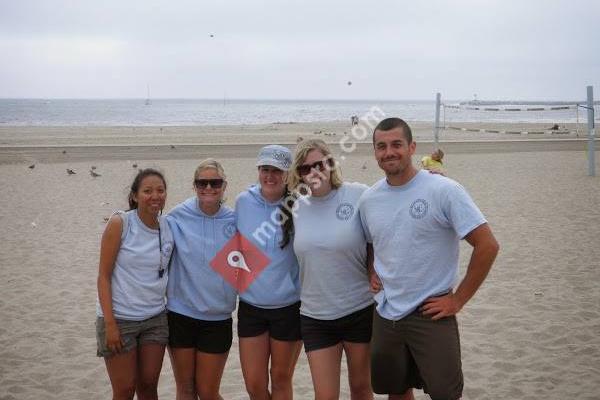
531,331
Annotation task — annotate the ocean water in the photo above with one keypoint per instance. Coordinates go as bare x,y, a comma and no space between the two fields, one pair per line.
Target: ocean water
186,112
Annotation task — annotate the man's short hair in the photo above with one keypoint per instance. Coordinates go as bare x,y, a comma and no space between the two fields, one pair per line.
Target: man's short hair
392,123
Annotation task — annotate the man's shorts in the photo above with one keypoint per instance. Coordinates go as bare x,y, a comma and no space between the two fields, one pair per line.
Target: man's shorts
281,323
213,337
416,352
133,333
319,334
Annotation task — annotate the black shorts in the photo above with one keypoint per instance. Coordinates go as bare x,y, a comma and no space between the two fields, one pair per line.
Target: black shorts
319,333
417,352
206,336
281,323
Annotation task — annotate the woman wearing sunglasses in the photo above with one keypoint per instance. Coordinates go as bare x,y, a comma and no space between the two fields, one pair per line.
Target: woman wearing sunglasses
337,306
268,312
199,300
131,327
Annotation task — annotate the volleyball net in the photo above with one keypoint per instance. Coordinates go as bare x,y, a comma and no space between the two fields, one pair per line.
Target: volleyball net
525,118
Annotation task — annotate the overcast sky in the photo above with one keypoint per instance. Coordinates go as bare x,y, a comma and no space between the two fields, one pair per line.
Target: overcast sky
388,49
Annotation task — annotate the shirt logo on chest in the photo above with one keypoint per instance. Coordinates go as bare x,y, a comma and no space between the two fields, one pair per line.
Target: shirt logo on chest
418,209
229,230
344,211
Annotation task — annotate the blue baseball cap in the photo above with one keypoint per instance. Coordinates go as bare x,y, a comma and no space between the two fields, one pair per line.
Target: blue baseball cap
275,156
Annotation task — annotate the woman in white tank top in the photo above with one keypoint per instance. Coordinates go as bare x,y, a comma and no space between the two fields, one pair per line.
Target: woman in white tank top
131,325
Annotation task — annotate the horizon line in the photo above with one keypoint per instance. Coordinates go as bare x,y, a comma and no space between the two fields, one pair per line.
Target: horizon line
296,99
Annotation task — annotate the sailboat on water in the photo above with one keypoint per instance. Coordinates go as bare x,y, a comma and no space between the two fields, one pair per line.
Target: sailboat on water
148,101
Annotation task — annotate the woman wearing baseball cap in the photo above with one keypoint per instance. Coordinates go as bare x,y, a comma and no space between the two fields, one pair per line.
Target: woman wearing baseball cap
269,309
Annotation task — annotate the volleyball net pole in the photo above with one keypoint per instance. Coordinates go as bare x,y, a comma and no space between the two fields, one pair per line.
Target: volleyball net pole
591,133
577,116
436,127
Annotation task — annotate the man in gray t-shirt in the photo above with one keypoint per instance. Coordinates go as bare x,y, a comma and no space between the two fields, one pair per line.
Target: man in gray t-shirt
415,221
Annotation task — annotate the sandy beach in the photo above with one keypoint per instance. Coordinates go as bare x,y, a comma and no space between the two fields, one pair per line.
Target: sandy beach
530,332
284,132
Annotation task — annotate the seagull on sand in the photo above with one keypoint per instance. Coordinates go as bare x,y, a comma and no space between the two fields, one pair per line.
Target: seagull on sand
94,174
70,171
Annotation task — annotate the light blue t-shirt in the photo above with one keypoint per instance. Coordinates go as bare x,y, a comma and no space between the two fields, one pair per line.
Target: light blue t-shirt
138,293
332,252
278,285
195,289
415,230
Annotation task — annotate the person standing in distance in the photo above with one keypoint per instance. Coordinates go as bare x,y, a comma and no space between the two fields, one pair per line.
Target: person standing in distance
415,221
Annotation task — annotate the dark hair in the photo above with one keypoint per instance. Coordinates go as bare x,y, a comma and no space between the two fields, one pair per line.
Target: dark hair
285,213
392,123
135,186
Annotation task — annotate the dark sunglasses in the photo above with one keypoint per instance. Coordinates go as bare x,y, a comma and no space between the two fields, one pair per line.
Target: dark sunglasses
320,166
203,183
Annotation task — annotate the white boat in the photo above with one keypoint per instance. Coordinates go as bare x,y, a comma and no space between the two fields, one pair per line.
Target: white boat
148,101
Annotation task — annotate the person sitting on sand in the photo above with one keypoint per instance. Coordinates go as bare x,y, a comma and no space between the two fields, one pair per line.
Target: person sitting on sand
434,162
131,324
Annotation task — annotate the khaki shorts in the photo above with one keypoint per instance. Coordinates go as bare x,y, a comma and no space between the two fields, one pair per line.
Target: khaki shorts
134,333
416,352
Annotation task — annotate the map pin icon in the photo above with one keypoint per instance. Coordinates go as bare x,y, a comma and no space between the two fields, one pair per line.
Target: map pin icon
235,259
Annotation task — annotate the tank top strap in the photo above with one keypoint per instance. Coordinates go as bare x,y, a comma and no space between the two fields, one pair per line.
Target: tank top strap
124,215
